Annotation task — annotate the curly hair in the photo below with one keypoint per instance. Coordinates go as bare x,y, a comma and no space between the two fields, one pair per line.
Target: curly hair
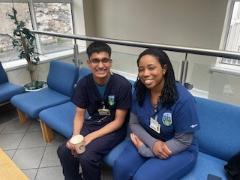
169,92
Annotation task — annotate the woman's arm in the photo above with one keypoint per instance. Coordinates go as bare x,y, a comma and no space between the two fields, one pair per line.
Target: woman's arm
180,142
142,134
177,144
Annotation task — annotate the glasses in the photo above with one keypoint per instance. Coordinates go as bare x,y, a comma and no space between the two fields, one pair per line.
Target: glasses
103,60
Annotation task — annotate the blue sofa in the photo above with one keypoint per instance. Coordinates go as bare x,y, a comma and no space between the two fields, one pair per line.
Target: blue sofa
60,118
7,89
61,80
219,139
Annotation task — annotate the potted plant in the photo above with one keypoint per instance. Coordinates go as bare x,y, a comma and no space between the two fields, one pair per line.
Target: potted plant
25,42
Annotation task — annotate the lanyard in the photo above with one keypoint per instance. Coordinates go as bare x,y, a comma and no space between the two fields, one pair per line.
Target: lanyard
156,111
103,104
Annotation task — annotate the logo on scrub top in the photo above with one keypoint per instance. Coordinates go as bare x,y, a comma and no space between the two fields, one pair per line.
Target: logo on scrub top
167,119
111,100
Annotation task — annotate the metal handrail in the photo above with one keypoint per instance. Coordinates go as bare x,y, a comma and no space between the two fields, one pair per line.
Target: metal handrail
181,49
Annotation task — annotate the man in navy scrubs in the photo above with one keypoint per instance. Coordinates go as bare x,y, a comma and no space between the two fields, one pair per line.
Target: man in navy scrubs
106,97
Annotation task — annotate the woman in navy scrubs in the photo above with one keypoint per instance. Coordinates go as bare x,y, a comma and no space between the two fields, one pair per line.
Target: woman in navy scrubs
163,122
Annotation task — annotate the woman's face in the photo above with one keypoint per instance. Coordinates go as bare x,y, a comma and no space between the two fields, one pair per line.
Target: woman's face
151,72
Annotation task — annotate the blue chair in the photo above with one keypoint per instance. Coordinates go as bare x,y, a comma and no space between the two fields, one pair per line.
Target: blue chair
7,89
61,79
218,138
60,117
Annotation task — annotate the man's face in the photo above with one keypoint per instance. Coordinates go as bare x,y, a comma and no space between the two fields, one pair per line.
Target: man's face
100,64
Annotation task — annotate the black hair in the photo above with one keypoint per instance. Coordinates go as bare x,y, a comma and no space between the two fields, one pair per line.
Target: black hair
98,46
169,92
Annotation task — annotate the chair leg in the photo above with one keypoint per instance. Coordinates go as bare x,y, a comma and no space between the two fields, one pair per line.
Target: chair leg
22,117
47,132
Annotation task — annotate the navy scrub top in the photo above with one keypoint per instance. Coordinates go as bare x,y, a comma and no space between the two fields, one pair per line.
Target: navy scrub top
181,117
117,95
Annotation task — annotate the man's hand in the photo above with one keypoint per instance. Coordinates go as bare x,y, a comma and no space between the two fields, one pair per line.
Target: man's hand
71,146
161,150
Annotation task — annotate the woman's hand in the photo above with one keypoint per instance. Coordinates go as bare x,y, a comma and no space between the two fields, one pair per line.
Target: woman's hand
161,150
136,141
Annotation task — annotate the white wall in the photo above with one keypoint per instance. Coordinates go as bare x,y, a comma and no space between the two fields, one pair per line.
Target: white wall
186,22
190,23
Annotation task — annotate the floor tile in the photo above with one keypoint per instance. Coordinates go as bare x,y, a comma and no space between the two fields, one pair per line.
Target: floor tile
50,157
15,127
4,123
58,140
53,173
30,173
28,158
28,150
10,141
32,139
10,153
2,126
34,126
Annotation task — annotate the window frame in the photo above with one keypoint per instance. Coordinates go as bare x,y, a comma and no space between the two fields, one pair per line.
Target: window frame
224,37
220,67
69,52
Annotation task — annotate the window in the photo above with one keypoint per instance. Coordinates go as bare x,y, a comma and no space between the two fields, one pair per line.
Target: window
43,15
7,52
54,17
232,40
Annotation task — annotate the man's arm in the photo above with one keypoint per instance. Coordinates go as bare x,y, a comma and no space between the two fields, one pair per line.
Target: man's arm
77,126
110,127
78,120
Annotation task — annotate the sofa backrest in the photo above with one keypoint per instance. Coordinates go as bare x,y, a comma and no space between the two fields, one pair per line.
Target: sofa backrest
219,133
62,77
132,83
83,71
3,75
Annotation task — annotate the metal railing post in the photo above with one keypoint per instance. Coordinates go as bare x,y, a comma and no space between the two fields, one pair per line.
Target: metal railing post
183,71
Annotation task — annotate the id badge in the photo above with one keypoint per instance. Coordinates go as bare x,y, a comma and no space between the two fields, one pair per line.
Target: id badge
155,125
104,112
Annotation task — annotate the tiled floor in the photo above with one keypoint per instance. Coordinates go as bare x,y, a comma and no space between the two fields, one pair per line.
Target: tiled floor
25,146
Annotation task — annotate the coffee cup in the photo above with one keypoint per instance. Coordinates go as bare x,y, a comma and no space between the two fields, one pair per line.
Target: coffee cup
78,142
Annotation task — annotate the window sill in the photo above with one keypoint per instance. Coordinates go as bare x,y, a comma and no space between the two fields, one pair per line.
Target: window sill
12,65
226,69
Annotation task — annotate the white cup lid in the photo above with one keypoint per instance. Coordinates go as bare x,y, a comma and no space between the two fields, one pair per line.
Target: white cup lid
76,139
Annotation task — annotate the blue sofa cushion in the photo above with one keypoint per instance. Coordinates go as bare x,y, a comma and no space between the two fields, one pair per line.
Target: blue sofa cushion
62,77
83,72
33,102
7,90
60,118
207,164
219,128
3,75
115,152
